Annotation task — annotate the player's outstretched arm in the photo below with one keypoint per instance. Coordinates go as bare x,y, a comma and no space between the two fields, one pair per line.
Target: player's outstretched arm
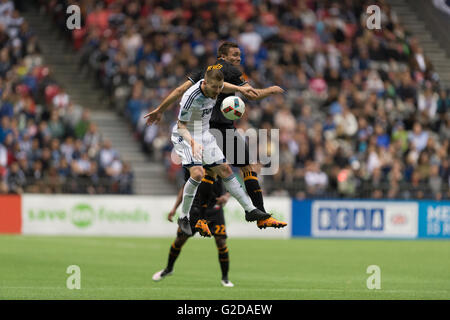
263,93
156,115
248,91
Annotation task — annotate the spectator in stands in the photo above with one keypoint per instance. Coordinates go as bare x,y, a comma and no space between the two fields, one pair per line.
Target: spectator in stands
346,124
61,100
435,182
16,179
107,155
427,102
55,126
83,124
126,179
418,136
316,180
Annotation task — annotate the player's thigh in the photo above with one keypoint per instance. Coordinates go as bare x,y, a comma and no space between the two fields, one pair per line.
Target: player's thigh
212,154
197,172
183,150
222,170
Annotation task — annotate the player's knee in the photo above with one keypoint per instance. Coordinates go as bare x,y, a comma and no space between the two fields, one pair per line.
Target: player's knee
220,242
224,171
197,173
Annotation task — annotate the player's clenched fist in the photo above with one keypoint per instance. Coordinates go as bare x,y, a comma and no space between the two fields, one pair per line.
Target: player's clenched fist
171,215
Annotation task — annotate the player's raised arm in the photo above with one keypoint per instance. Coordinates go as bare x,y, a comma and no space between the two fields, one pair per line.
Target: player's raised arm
262,93
248,91
155,115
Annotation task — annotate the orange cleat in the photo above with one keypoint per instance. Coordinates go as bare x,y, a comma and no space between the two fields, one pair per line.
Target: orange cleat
202,227
270,223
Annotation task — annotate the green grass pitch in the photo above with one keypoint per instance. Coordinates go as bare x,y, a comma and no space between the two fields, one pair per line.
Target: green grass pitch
34,267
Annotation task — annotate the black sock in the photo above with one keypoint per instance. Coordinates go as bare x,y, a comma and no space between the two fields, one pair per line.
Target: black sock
204,192
254,189
224,261
173,255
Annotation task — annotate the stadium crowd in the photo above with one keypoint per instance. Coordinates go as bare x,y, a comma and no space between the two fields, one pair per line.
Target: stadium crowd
48,144
363,116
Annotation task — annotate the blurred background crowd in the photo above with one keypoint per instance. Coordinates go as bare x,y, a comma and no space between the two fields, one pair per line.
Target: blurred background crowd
363,116
48,144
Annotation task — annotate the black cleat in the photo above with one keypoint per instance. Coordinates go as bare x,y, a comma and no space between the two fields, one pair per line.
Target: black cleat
256,214
185,226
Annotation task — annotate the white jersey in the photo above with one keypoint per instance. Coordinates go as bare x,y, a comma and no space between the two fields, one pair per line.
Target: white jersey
196,109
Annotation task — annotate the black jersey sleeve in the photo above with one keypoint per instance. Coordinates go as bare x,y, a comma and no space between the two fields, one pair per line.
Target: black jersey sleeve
236,77
231,73
196,76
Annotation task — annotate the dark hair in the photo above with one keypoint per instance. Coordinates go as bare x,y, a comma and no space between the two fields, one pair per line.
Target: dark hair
224,47
214,74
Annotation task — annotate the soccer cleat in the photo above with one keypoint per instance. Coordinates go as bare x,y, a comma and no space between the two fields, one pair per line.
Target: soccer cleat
185,225
227,283
256,214
161,275
202,228
270,223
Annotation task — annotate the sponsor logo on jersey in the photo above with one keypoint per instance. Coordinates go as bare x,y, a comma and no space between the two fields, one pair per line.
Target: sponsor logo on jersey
206,112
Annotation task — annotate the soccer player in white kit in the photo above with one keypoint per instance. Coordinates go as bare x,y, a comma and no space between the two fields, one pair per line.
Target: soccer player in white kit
198,148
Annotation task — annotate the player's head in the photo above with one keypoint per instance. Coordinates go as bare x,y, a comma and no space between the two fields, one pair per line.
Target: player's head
213,82
230,52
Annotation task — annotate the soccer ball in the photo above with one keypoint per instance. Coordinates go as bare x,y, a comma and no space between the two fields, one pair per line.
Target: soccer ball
233,107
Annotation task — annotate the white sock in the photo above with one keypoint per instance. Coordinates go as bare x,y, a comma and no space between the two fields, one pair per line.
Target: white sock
189,191
235,189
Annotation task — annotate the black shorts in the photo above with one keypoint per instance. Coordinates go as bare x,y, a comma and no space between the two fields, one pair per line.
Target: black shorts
234,146
215,218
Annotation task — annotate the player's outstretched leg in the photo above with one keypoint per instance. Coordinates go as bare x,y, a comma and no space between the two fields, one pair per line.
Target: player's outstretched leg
253,187
255,193
189,191
174,252
235,189
224,261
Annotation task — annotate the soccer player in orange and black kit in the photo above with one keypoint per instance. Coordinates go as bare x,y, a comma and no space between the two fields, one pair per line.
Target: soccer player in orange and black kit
216,222
229,58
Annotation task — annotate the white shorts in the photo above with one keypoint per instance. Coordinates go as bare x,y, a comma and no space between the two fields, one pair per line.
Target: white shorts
212,154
